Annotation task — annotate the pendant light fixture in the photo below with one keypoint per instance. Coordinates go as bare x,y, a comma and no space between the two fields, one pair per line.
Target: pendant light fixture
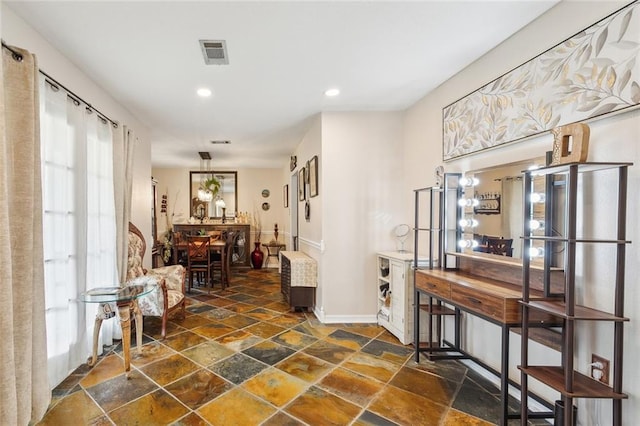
208,184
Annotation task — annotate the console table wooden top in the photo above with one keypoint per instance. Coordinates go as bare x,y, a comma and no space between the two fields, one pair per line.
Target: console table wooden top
494,300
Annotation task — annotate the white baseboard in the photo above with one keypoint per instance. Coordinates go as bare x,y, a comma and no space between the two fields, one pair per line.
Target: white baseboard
345,319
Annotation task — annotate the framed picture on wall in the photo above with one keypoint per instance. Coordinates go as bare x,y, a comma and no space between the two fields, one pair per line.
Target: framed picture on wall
313,176
301,185
285,195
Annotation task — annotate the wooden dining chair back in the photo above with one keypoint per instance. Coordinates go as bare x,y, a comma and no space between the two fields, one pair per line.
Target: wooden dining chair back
198,260
214,235
500,246
181,256
231,240
218,259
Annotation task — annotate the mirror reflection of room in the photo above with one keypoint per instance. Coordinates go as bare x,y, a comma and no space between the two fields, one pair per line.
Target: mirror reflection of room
499,212
222,204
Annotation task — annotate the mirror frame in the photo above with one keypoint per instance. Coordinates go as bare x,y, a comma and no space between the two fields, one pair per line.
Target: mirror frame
193,173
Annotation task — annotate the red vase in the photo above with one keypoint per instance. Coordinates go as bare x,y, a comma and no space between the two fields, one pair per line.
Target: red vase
257,256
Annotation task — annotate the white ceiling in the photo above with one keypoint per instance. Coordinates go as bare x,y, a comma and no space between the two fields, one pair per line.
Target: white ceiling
282,57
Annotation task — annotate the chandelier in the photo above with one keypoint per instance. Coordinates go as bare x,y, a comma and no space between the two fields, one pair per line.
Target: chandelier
209,185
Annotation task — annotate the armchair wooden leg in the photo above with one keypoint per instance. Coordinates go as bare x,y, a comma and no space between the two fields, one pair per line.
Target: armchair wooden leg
163,333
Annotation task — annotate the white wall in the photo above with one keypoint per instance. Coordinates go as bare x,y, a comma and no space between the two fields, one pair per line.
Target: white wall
310,231
16,32
362,181
251,182
612,139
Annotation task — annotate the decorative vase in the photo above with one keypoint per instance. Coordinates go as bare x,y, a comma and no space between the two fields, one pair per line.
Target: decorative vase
257,256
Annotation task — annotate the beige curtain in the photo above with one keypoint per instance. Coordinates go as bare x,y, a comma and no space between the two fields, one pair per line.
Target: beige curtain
24,389
123,147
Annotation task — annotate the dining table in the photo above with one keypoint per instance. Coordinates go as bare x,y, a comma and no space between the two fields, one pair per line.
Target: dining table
217,246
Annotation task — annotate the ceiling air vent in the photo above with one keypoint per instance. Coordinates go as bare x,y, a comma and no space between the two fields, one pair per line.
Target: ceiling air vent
215,52
220,142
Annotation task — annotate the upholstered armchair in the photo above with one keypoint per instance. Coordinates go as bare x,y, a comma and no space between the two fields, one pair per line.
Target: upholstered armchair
170,294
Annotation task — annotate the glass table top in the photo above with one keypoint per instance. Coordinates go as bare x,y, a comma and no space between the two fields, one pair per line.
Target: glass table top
116,294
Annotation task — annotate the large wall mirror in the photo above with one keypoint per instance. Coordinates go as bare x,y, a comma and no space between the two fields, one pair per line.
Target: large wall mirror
226,197
499,212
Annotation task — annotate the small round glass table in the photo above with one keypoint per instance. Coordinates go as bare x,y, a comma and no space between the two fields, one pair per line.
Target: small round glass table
273,251
126,299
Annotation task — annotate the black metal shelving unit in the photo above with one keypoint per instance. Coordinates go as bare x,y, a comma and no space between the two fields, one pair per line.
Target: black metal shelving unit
564,379
440,225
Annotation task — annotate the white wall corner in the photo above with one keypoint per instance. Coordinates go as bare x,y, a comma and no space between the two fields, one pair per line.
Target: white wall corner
319,313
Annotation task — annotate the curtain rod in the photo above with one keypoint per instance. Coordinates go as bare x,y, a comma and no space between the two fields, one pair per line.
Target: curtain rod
17,56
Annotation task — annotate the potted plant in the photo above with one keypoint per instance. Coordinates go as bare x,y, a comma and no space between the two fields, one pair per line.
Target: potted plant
208,189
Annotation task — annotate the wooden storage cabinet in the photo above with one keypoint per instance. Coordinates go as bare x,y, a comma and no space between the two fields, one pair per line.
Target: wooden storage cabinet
395,294
564,379
240,254
298,279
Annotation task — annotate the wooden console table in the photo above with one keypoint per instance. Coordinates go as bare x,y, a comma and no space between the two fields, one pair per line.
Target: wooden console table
451,292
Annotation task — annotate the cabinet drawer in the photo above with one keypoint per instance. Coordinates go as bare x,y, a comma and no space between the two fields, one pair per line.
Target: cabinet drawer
475,301
433,285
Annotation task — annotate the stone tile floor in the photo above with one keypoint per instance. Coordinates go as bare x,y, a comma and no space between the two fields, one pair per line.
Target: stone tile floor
239,357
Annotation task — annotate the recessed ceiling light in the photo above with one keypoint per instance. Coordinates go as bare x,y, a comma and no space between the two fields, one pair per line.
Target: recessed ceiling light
332,92
204,92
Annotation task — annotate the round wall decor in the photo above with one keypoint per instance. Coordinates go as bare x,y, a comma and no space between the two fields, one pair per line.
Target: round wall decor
265,206
265,193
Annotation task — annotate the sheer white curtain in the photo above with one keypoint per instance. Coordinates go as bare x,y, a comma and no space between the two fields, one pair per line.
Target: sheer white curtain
79,226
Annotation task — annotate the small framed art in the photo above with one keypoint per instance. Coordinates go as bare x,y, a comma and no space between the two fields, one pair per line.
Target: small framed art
285,195
301,185
313,176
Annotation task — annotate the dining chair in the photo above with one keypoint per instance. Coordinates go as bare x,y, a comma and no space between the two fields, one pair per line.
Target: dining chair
222,263
181,257
218,259
231,240
214,235
500,246
169,296
198,258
